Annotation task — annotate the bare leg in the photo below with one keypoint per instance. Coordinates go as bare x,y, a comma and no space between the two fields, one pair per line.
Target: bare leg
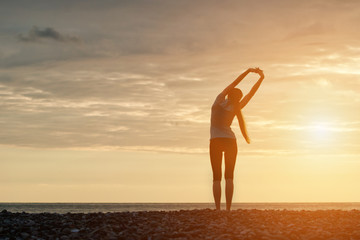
229,189
230,160
217,193
216,158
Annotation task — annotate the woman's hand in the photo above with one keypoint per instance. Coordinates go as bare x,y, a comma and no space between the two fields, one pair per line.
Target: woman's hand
252,70
260,72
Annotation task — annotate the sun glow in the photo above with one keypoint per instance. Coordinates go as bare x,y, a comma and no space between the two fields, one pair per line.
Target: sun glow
321,129
321,133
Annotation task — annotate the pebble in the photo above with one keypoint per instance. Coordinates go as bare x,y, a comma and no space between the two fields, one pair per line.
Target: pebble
183,224
24,235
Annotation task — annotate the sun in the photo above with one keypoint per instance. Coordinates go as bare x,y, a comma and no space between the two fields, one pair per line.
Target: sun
321,129
320,132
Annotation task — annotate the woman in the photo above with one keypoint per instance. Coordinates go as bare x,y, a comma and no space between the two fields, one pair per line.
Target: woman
222,138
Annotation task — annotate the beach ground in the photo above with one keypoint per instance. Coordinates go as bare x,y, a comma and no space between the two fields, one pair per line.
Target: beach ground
183,224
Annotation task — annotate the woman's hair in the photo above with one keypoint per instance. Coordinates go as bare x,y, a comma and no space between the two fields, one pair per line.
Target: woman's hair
235,95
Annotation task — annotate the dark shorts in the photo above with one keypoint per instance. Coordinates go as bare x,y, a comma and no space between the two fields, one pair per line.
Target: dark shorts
218,146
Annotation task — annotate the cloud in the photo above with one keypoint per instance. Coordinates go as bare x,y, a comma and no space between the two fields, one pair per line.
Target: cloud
35,34
147,74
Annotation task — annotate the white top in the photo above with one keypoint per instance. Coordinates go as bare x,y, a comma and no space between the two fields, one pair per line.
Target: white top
221,118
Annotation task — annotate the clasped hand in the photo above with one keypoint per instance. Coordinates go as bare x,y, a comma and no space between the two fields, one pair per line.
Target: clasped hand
257,70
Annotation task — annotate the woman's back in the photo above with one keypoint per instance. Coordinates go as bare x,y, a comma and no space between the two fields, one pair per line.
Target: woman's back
222,115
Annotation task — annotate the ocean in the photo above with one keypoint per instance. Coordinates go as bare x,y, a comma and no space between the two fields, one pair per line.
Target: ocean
134,207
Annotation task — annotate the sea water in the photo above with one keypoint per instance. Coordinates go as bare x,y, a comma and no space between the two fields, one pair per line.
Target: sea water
131,207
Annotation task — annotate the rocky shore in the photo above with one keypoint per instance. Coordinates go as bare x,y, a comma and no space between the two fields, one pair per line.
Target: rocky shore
184,224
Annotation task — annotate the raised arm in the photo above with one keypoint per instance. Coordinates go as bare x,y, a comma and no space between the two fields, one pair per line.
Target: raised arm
242,125
237,81
253,90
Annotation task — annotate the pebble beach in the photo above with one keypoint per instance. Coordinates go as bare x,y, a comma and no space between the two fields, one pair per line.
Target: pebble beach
183,224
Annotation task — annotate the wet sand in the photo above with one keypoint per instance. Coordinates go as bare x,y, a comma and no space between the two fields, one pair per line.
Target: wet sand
184,224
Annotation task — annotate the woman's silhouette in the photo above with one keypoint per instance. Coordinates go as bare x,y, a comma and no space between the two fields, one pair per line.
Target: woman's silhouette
222,138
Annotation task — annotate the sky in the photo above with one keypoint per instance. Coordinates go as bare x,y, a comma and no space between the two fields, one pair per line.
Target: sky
109,101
